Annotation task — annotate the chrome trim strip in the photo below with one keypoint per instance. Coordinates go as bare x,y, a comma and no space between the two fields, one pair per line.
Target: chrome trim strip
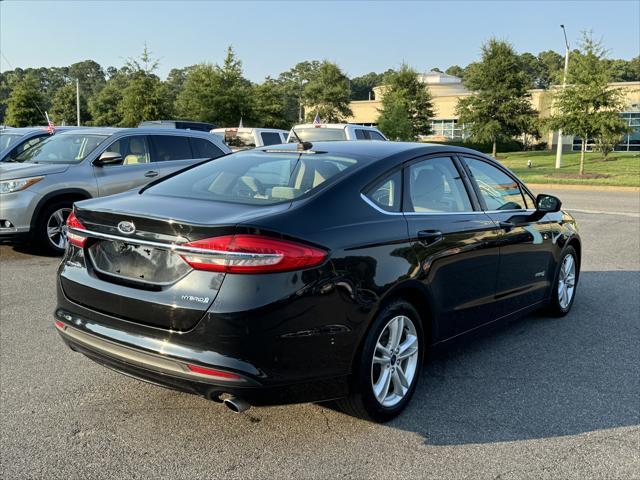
136,357
172,246
471,212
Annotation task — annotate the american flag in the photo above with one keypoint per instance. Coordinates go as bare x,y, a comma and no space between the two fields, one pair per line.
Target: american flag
51,128
317,121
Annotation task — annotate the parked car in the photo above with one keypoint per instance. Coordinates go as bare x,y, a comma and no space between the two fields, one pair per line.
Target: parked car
243,138
270,276
14,141
39,186
179,124
311,132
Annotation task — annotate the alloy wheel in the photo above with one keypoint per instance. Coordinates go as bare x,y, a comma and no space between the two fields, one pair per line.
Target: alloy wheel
566,281
56,233
395,361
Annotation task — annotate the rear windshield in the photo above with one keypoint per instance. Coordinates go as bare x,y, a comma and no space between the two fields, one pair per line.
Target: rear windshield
318,134
255,177
64,148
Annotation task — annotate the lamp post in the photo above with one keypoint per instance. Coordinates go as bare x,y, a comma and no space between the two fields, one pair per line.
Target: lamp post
564,85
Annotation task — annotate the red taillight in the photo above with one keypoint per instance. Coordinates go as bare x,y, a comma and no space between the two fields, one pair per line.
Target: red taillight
59,324
73,237
211,372
251,254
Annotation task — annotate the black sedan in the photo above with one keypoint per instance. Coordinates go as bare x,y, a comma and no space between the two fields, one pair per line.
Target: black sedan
310,272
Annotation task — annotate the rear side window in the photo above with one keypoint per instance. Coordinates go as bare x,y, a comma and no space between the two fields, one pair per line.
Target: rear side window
170,147
133,150
387,193
204,148
270,138
498,190
256,177
360,134
435,186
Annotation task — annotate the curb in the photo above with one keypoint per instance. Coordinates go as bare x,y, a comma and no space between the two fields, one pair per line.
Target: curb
591,188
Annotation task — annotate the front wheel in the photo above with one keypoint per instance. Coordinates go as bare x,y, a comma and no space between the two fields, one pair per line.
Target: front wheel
390,362
50,235
564,288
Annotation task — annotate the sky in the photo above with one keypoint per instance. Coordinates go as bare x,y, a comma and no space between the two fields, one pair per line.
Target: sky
270,37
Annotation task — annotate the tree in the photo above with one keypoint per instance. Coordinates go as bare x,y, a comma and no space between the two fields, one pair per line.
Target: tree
90,76
362,87
455,70
145,97
551,66
395,119
24,106
294,81
500,108
64,106
327,94
405,92
103,107
218,94
588,107
269,105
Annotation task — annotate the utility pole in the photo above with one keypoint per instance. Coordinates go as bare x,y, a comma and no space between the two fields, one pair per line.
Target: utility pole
564,85
78,100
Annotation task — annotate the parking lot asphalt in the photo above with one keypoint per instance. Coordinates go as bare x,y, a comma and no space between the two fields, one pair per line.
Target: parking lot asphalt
538,398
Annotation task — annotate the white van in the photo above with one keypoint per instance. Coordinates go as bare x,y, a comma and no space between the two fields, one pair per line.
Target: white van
326,132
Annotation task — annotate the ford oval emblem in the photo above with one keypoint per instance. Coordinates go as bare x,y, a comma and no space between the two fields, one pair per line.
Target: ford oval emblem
126,227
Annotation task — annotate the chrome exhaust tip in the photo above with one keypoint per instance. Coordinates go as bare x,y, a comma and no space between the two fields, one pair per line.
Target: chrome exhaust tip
236,404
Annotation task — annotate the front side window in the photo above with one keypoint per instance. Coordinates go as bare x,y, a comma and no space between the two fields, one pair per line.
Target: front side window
270,138
360,134
62,148
255,177
170,147
435,185
387,193
133,150
498,190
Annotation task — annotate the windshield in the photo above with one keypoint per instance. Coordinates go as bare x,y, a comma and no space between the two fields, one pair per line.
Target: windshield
255,177
66,148
7,139
233,138
318,134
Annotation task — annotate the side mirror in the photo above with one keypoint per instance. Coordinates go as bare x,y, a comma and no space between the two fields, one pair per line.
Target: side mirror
547,203
108,158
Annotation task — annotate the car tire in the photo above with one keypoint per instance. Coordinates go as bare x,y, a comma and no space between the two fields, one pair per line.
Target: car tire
49,235
563,292
365,399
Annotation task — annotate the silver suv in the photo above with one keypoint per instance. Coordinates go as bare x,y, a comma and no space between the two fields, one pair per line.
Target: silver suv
39,186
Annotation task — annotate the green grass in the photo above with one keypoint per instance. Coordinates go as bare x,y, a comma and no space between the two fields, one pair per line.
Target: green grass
621,169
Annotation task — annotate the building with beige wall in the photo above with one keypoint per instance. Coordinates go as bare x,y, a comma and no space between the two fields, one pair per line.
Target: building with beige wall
446,90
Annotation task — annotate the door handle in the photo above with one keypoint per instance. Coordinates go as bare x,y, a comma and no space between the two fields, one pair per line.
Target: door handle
151,173
429,237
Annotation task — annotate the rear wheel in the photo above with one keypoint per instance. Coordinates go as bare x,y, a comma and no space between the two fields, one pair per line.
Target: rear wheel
390,362
50,235
564,288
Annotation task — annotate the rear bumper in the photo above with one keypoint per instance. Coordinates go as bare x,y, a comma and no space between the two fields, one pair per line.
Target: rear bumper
166,365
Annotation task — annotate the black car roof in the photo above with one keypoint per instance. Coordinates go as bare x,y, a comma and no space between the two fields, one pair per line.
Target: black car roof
374,149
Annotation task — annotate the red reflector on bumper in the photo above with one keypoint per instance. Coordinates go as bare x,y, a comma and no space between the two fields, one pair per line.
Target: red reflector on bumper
59,324
211,372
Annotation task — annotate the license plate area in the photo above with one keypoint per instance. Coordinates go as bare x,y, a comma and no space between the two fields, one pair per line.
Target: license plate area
139,263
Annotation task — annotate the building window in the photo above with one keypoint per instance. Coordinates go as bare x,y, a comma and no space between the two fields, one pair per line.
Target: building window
448,128
629,143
